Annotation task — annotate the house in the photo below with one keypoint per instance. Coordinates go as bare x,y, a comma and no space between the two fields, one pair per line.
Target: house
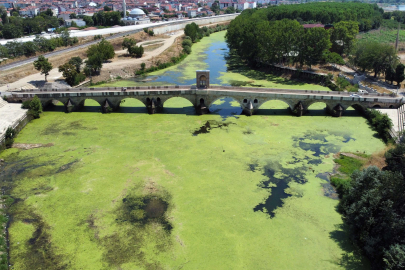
225,4
29,11
252,4
242,5
78,22
191,13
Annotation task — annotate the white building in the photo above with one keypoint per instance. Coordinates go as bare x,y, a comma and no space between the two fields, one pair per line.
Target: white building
191,13
243,5
29,11
252,5
78,22
136,16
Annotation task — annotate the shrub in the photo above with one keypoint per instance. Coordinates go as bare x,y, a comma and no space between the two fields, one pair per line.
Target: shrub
187,49
9,137
186,42
151,33
143,66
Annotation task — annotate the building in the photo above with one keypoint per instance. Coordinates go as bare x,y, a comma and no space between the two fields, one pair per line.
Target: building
78,22
29,11
191,13
136,16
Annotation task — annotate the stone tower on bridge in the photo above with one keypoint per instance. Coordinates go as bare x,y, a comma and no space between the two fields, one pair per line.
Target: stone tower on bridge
203,78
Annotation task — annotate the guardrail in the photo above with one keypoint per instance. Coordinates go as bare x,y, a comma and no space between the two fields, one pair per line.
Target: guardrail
191,87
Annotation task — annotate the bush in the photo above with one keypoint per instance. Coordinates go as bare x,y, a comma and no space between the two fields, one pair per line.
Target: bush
187,49
186,42
34,106
9,137
151,33
381,123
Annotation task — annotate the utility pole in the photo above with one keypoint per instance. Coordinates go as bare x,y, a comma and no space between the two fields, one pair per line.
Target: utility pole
397,41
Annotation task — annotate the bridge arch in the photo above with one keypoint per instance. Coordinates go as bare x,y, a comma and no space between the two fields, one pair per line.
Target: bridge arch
169,100
261,103
240,102
131,105
318,107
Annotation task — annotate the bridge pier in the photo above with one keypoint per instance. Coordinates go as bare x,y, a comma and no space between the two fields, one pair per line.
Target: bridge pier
337,111
299,109
202,108
249,109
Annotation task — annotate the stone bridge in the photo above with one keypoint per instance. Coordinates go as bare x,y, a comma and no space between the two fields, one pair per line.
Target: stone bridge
250,99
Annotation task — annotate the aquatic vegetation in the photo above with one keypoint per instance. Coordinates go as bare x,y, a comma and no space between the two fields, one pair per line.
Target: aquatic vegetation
138,191
212,53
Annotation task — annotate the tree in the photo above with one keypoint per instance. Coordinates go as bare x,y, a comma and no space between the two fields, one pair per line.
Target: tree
390,74
343,36
191,30
107,8
314,44
395,159
29,48
76,62
399,73
69,72
103,49
94,63
65,36
128,43
89,21
11,31
374,213
373,56
136,51
43,65
35,107
333,58
73,16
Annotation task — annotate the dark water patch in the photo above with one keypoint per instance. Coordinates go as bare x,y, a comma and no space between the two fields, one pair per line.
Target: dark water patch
346,137
315,161
316,142
328,189
248,131
135,216
67,166
281,177
39,252
65,128
226,109
253,167
209,125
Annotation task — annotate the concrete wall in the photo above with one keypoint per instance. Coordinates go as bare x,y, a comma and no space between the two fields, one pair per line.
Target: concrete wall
199,21
17,126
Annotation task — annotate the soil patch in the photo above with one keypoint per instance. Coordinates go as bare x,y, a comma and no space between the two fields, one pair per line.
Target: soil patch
27,146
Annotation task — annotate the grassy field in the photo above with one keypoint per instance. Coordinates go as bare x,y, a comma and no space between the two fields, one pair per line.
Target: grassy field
383,36
138,191
212,53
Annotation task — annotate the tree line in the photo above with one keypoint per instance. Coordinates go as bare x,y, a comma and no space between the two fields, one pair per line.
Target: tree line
373,209
324,12
16,26
286,41
13,49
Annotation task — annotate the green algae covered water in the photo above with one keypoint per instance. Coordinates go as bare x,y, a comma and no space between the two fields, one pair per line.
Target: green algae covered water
129,190
212,53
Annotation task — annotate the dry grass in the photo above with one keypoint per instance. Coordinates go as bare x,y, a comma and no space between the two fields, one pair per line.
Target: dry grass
377,159
16,74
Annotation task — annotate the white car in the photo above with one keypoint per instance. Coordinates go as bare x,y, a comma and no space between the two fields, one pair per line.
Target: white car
355,95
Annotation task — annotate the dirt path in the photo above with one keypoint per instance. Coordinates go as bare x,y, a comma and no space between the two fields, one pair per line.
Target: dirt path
119,61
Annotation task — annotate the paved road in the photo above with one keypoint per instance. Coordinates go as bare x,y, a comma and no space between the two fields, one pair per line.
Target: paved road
117,32
212,88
